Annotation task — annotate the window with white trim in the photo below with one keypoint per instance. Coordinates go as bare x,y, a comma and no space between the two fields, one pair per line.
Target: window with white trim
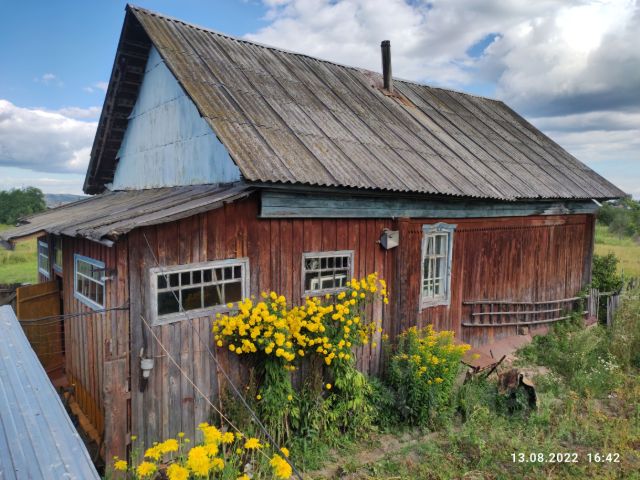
43,258
198,287
57,254
89,280
326,272
437,243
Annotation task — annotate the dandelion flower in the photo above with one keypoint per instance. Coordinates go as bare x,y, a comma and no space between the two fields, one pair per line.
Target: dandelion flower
281,468
252,444
120,465
328,386
177,472
146,469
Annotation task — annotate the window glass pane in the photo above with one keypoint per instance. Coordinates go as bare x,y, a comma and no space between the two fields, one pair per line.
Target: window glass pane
233,292
162,281
218,274
192,298
207,275
167,303
212,295
197,277
174,279
311,281
228,273
100,295
237,272
185,278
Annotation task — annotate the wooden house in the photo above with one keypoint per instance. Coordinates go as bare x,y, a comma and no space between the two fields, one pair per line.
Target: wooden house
225,163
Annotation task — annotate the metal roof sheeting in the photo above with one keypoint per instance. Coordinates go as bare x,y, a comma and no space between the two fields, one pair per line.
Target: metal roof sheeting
107,216
290,118
37,438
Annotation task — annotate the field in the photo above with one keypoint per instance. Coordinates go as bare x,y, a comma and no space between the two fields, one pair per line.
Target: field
625,248
19,265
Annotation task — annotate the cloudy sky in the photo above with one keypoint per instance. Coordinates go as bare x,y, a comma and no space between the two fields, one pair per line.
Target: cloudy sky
570,67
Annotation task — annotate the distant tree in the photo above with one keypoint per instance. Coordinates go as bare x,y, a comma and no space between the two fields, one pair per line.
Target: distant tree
19,202
605,276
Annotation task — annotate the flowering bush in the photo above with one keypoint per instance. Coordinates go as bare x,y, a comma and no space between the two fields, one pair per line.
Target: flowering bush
277,336
422,371
220,455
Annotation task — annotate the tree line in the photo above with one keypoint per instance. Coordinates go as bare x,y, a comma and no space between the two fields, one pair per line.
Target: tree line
20,202
621,216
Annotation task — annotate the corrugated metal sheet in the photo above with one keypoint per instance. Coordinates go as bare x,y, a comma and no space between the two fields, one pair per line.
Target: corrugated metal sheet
290,118
107,216
37,438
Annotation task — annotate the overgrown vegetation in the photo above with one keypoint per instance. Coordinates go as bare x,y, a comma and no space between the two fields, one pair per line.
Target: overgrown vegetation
626,249
20,202
586,424
19,265
622,217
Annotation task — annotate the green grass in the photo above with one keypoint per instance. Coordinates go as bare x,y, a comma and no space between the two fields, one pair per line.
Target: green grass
625,248
19,265
588,387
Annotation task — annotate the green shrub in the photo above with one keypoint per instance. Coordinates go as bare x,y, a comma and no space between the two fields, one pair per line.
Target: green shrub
625,331
422,372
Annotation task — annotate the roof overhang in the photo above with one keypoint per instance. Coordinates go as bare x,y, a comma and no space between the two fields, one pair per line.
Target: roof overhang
104,218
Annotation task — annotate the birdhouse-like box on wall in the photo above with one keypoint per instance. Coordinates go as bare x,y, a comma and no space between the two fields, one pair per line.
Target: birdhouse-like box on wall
389,239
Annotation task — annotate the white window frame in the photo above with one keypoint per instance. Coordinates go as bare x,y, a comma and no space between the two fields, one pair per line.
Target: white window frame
42,247
155,272
57,242
432,231
98,265
326,254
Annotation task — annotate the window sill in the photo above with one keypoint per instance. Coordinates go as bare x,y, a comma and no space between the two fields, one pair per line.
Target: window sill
444,302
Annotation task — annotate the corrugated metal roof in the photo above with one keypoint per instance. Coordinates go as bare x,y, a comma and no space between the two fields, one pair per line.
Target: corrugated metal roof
291,118
107,216
37,438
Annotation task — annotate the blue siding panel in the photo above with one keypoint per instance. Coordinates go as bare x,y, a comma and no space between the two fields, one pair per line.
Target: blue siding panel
167,143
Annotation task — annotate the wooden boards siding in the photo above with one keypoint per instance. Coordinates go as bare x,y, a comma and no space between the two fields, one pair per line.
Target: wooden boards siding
94,340
530,258
274,247
519,259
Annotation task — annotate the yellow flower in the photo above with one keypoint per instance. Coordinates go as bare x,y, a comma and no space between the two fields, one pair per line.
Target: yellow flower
120,465
170,445
281,469
177,472
252,444
146,469
244,477
134,438
228,437
181,435
198,461
153,452
328,386
217,463
259,397
289,397
285,451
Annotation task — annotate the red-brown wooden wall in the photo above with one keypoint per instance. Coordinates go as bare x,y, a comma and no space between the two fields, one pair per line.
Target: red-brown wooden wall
518,258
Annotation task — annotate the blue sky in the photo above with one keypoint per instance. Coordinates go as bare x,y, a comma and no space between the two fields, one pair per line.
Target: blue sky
572,68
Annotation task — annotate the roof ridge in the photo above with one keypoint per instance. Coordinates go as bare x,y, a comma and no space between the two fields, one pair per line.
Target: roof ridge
291,52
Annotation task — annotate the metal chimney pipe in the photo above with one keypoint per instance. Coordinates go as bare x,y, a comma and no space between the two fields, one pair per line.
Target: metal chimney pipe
386,65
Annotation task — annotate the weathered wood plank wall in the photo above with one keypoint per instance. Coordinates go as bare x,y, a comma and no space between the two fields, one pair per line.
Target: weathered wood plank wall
274,248
519,259
94,340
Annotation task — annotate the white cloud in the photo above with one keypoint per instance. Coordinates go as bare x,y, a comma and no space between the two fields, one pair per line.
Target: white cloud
49,79
80,113
102,86
44,141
